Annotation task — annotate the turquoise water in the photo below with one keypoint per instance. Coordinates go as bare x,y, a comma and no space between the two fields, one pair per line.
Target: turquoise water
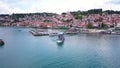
22,50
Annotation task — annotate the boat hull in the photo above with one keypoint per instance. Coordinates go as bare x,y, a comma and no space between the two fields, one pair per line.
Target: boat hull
60,41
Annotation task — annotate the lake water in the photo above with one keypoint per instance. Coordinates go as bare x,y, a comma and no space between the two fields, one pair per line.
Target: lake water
22,50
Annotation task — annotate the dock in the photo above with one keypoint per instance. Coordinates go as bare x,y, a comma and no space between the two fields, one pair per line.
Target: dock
71,32
39,33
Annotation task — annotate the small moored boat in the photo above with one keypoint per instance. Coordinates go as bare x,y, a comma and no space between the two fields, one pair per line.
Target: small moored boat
1,42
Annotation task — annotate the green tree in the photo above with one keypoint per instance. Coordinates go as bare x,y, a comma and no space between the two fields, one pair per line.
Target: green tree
102,26
89,25
78,16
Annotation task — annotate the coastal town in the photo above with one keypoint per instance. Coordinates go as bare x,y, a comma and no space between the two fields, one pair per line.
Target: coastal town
59,33
96,20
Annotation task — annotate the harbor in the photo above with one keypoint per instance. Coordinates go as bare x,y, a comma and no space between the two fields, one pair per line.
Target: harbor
23,50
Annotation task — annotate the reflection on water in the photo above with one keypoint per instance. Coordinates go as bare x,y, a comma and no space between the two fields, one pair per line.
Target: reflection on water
53,38
60,45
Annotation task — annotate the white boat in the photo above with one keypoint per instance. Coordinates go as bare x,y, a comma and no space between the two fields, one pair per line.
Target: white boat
60,38
59,41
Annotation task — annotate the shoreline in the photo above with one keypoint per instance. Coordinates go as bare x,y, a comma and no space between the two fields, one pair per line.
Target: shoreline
72,32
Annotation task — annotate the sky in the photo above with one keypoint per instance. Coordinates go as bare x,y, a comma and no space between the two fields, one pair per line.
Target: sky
55,6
